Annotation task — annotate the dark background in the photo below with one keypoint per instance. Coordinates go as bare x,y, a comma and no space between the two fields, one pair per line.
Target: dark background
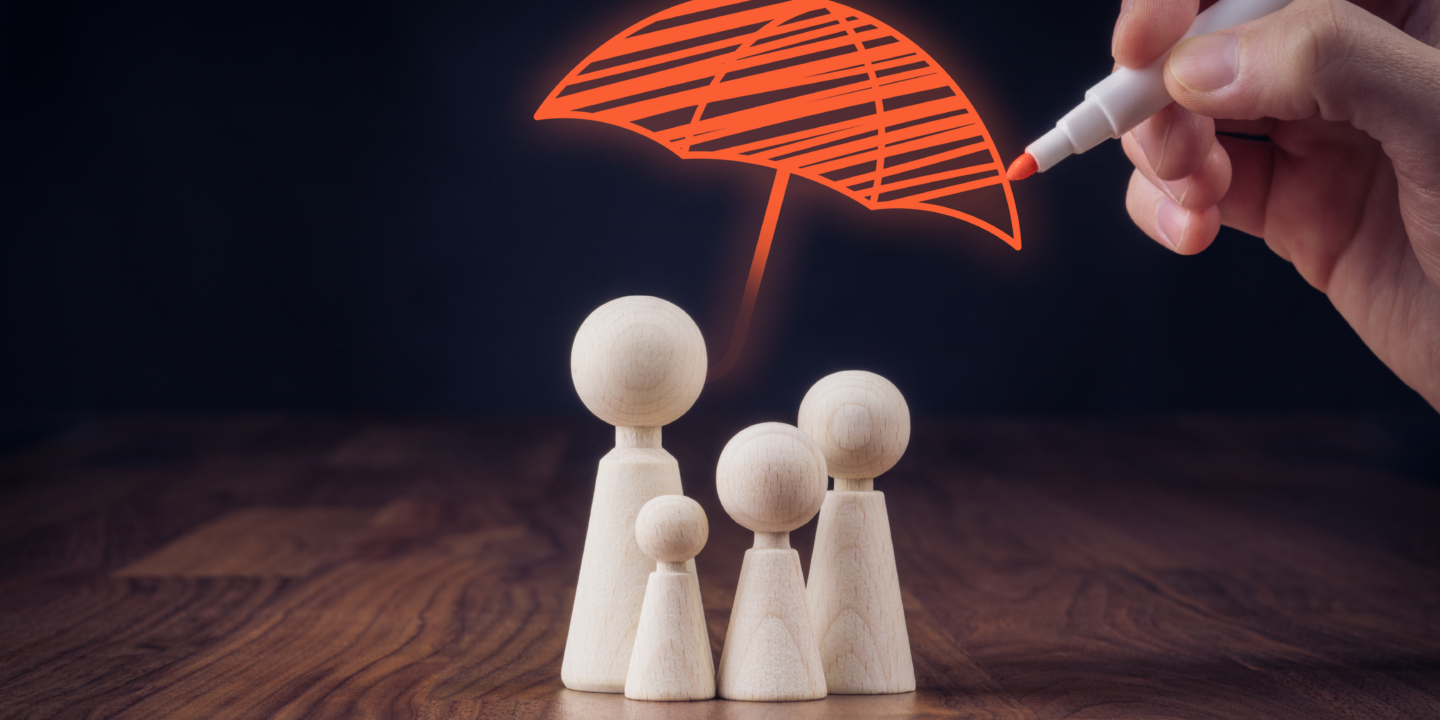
224,206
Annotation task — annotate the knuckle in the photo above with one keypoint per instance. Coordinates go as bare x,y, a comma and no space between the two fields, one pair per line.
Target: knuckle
1322,44
1308,50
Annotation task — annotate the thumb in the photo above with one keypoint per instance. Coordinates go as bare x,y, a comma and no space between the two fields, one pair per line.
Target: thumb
1319,57
1333,60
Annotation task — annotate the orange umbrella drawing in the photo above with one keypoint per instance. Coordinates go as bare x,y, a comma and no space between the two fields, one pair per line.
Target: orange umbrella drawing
809,88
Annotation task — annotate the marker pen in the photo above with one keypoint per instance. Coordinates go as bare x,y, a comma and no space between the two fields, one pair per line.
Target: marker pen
1123,100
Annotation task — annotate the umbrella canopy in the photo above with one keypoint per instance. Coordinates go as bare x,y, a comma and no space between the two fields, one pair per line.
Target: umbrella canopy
808,87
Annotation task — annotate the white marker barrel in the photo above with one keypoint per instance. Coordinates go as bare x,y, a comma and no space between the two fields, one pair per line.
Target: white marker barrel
1120,102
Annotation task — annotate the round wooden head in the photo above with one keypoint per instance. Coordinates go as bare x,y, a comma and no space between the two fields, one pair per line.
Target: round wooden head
638,361
861,422
771,478
672,528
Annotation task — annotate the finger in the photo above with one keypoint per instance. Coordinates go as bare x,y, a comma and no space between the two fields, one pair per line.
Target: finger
1196,191
1335,61
1147,28
1317,57
1185,231
1174,142
1252,164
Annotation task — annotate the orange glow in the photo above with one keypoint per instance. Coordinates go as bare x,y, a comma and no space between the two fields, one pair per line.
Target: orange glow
752,283
807,87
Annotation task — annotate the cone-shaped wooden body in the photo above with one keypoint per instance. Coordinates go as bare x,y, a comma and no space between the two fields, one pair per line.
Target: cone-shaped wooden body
671,660
770,652
854,598
637,363
614,572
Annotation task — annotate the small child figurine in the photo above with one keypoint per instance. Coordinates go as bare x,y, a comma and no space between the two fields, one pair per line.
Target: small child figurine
671,659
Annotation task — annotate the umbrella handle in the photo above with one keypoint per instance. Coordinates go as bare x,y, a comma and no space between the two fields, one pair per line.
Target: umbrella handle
752,283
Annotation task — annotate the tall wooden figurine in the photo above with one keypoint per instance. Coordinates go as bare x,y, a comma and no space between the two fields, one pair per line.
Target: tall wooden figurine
862,424
771,479
671,660
638,363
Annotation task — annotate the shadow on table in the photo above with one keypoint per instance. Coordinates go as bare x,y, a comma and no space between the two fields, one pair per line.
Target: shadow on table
572,705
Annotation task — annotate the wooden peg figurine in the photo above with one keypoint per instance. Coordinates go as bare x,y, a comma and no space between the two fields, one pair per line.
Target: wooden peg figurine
638,363
671,660
862,424
771,479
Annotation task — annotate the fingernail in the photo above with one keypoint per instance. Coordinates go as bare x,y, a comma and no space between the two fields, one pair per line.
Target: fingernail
1152,135
1206,63
1119,21
1171,220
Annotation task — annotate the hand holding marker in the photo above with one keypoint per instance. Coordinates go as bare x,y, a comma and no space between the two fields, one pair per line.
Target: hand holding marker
1345,182
1120,102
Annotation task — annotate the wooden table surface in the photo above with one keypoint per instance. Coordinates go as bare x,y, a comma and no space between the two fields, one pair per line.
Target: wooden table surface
277,567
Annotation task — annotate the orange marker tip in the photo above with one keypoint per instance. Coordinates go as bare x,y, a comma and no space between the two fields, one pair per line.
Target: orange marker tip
1023,167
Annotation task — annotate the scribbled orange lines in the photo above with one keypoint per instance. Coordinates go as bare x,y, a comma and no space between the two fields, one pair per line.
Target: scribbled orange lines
805,86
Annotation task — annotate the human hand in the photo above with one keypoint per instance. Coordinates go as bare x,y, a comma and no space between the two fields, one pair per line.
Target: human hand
1349,188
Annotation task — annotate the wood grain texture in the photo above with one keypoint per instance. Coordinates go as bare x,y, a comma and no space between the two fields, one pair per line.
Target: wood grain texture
638,361
770,651
672,659
671,529
1160,567
280,542
854,600
861,422
771,480
610,589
